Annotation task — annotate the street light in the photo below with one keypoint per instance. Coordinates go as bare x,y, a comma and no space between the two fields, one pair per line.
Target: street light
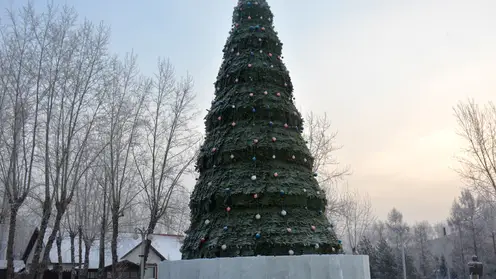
144,236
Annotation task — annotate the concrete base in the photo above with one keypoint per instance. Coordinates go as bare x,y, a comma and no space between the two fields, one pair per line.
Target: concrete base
282,267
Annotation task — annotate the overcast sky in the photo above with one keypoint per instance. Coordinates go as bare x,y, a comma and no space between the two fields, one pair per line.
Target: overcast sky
386,72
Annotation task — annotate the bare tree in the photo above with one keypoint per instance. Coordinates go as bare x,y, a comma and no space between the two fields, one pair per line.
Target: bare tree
20,92
168,144
72,225
124,97
321,141
357,216
53,67
90,202
477,126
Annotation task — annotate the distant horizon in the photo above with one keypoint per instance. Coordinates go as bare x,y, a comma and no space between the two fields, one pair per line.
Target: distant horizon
387,75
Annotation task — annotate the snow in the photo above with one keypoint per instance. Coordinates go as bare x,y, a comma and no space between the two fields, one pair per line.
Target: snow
167,245
18,265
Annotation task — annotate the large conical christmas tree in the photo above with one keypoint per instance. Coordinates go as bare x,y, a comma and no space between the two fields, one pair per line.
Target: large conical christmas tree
256,193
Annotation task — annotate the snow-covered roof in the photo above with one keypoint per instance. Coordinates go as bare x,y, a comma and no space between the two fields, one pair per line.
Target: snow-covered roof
167,245
18,265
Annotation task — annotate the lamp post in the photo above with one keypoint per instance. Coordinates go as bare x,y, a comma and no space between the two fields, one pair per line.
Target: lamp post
144,236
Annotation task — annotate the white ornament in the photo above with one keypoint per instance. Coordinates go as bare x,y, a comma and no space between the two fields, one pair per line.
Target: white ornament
318,193
257,216
293,157
237,80
291,252
272,66
237,54
207,222
233,106
283,212
253,177
209,184
305,159
232,156
305,190
223,247
259,39
261,51
232,50
273,156
317,246
329,229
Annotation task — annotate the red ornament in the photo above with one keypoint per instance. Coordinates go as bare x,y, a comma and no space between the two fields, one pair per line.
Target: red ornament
255,196
285,125
233,124
255,141
289,230
274,139
214,149
249,65
279,57
237,24
263,28
249,17
270,54
251,94
278,94
313,228
276,174
219,118
265,92
228,209
203,240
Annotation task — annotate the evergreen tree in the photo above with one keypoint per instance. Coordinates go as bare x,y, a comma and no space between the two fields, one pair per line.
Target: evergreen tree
365,247
256,193
411,269
385,261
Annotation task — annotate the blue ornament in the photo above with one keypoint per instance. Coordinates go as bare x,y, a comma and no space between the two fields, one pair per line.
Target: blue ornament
253,110
282,193
252,28
320,212
315,174
257,236
248,3
225,228
228,189
271,123
339,241
252,53
254,158
257,27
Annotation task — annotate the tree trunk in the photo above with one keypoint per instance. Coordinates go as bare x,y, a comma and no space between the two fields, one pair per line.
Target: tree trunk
148,243
80,251
73,256
101,261
113,244
10,242
35,264
87,248
59,254
49,244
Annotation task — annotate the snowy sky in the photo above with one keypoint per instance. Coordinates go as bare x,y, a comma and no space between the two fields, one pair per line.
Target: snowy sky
386,72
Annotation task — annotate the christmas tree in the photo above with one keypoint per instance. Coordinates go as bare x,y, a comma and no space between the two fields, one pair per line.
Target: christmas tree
256,193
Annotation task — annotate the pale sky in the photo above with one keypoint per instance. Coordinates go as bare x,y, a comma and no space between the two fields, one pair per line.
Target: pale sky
386,72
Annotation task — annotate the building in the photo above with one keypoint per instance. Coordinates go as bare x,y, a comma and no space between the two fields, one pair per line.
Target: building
163,247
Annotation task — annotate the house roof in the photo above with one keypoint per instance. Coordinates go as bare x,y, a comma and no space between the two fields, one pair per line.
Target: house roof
167,247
